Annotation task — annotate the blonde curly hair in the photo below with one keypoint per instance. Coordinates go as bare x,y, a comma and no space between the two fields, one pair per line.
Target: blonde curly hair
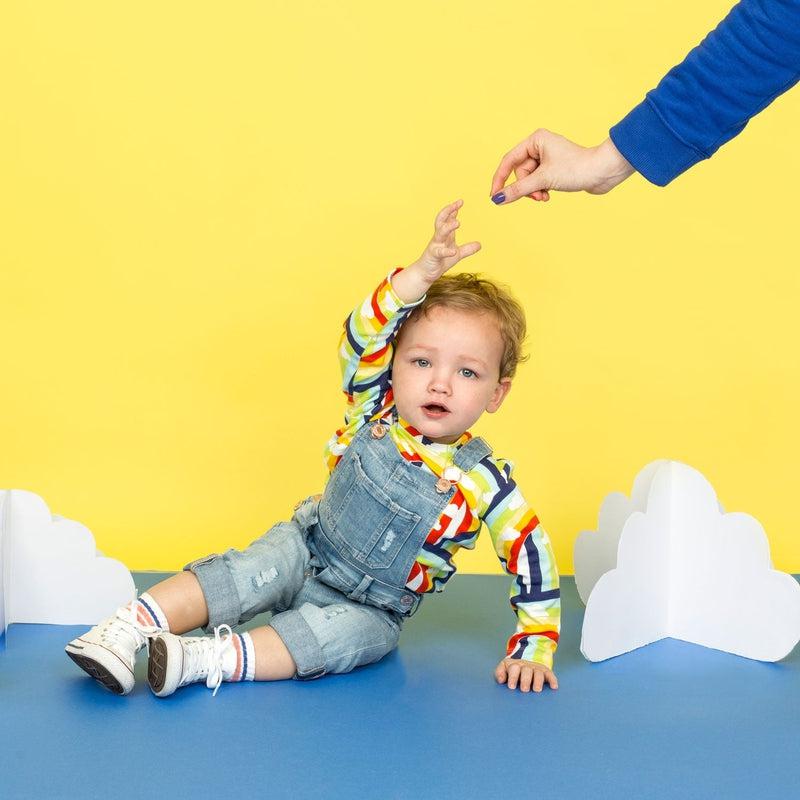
466,291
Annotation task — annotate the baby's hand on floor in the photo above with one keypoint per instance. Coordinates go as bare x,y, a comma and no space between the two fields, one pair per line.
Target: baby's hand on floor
525,674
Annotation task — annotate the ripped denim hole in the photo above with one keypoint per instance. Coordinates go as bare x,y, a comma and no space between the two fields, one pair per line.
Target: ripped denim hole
264,577
387,540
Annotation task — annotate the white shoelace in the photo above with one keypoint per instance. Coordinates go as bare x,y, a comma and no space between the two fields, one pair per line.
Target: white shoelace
204,658
124,628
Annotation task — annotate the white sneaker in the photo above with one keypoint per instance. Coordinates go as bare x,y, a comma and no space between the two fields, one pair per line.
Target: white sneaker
108,651
176,661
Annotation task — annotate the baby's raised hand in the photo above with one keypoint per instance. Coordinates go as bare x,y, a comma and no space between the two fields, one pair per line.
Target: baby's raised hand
441,253
525,674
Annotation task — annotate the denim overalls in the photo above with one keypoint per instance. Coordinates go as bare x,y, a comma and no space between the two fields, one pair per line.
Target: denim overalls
335,574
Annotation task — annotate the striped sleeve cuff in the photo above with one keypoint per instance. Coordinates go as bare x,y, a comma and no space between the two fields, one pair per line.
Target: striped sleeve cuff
392,295
538,648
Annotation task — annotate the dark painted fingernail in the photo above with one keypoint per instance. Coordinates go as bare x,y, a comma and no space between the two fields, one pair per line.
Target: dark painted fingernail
499,198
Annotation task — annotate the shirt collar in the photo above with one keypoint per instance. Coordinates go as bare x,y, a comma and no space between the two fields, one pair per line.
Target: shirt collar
437,447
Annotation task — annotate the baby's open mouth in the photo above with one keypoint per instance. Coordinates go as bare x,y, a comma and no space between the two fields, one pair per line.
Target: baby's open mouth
435,409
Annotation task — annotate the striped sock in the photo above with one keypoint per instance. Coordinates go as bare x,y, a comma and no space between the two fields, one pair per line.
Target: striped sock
149,613
245,669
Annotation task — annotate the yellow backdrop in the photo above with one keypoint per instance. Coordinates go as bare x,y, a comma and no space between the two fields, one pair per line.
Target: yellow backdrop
194,195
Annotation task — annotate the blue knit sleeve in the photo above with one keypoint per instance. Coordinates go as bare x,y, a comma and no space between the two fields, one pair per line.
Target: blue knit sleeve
749,59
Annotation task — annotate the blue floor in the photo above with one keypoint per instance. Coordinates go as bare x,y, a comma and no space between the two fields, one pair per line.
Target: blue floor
671,720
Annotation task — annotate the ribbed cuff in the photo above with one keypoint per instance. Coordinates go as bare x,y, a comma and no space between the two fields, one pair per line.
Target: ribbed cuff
651,147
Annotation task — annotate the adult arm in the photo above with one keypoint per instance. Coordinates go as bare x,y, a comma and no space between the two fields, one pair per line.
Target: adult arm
748,60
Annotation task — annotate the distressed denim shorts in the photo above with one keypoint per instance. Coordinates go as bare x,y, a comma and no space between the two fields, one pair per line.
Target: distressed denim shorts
324,631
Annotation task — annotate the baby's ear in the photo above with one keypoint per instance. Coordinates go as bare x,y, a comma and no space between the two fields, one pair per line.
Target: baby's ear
500,393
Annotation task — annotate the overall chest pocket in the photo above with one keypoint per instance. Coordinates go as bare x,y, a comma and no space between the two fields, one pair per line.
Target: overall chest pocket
371,524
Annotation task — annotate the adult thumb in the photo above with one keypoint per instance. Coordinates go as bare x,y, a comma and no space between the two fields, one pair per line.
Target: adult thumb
535,182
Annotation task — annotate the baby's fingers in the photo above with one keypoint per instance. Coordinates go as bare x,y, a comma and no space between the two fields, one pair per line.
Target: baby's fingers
525,679
513,675
452,254
543,675
446,229
466,250
443,215
442,251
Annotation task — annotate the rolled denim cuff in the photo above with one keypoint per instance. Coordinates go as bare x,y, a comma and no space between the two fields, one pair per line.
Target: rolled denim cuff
219,590
301,642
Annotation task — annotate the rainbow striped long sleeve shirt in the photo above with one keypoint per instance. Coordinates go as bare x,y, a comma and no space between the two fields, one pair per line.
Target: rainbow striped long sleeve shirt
487,494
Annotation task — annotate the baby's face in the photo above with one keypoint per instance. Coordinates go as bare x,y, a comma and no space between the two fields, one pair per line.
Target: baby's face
445,372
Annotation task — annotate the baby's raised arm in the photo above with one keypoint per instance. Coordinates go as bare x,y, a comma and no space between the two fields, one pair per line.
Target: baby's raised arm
440,255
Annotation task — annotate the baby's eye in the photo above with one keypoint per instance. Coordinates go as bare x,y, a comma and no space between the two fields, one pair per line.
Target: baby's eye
469,373
421,362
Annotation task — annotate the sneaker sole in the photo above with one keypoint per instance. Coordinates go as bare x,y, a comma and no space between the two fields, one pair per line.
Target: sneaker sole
157,665
161,681
97,671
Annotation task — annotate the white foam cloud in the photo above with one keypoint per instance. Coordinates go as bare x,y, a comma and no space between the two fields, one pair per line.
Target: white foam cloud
596,551
52,572
683,569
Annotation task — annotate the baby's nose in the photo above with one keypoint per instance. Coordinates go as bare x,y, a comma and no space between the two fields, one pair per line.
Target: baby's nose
440,384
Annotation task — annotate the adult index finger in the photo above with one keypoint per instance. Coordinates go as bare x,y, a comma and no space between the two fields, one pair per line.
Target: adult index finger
509,161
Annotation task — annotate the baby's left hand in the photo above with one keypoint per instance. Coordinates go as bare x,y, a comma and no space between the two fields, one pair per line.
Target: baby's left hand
443,252
527,674
440,255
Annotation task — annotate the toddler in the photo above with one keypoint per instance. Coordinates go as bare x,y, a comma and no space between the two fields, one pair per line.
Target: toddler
422,357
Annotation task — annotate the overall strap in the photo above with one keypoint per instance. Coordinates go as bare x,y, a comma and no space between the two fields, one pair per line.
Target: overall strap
471,453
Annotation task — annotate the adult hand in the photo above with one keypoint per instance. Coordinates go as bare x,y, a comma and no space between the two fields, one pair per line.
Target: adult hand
546,161
525,674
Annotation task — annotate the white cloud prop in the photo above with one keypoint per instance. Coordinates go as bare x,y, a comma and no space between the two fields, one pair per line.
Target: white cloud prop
596,551
686,570
51,571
